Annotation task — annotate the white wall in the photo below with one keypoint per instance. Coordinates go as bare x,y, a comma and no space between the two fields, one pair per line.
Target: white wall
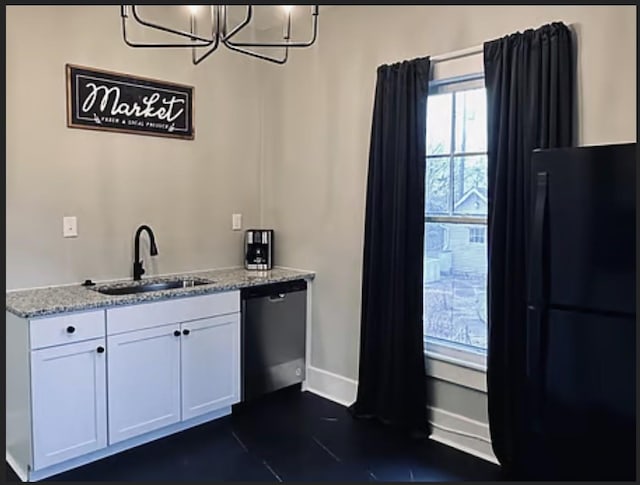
317,125
185,190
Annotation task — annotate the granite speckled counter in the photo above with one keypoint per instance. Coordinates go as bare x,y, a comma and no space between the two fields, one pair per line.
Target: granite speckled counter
70,298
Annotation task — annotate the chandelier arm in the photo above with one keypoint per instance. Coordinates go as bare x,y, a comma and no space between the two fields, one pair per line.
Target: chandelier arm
247,18
124,16
169,30
314,14
197,60
215,26
258,55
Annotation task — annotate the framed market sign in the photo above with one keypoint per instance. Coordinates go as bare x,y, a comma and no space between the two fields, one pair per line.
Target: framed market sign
110,101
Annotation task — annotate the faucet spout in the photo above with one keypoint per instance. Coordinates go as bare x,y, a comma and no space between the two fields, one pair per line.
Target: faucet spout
138,269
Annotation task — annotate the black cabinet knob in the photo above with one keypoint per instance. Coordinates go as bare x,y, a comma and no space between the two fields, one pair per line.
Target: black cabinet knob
186,331
71,329
177,333
100,349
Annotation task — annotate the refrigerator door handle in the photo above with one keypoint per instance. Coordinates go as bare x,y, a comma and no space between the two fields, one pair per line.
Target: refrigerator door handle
537,304
536,294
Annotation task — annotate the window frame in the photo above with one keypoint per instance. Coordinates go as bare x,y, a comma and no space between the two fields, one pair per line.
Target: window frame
435,348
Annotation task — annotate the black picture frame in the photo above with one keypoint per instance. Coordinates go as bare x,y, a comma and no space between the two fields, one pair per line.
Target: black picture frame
104,100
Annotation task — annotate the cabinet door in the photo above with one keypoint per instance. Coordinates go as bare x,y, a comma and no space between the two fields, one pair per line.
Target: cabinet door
69,401
144,381
210,364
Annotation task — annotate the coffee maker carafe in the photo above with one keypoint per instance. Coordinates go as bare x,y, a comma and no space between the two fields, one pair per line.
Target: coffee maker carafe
258,249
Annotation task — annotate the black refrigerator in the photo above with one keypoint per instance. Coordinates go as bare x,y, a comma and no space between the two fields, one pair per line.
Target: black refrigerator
581,313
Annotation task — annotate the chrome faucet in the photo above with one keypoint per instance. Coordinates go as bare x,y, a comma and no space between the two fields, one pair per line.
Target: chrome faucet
138,270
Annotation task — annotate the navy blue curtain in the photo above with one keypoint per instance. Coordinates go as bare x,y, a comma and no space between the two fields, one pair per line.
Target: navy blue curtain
392,381
530,94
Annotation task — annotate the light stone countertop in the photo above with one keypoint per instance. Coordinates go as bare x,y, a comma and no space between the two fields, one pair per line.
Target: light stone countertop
70,298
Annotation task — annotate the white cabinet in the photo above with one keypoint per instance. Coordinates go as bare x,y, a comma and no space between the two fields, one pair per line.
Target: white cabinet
147,315
84,385
210,364
171,361
162,375
68,401
66,329
144,381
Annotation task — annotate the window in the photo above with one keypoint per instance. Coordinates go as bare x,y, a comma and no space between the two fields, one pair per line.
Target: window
476,234
455,266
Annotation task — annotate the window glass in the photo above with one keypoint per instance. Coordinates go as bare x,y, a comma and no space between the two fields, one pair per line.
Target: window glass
455,248
471,121
455,273
438,185
439,116
470,185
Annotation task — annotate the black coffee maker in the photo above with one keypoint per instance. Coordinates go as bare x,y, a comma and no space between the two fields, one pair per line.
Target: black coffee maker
258,249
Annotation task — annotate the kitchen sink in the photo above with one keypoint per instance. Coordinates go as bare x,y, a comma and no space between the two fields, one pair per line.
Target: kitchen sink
151,286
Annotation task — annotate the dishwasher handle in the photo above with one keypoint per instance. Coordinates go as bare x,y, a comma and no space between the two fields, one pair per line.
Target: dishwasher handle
274,291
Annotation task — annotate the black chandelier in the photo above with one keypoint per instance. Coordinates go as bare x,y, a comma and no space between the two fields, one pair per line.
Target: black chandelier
202,46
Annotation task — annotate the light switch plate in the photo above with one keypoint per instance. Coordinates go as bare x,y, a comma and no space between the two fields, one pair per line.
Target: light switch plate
70,226
236,222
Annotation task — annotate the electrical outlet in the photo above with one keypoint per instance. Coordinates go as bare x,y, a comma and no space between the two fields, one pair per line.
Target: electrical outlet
70,226
236,222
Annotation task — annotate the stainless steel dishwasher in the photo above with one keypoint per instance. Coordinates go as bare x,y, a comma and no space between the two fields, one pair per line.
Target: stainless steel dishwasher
273,337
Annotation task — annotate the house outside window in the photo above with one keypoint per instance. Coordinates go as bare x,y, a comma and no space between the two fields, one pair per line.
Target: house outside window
455,259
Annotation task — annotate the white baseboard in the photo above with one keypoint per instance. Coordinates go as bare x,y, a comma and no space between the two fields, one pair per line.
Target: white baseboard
457,431
331,386
18,470
440,437
462,433
460,375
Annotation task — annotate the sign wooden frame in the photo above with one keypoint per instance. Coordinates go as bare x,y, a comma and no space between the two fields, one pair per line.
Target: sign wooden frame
110,101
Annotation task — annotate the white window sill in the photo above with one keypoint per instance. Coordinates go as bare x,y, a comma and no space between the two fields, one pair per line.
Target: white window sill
456,371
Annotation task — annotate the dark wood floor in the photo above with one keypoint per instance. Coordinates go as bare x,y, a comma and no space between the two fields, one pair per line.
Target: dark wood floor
286,436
